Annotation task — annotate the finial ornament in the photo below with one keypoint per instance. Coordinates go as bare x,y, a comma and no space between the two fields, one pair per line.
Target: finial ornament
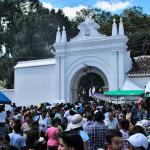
121,20
114,20
58,36
121,27
64,38
114,28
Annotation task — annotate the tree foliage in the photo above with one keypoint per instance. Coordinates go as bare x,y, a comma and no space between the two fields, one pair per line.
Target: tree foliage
31,34
31,31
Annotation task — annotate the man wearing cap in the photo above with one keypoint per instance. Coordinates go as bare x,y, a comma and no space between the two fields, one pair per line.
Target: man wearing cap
96,132
137,141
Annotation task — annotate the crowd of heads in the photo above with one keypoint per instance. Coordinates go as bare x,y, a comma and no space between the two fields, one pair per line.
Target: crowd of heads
87,112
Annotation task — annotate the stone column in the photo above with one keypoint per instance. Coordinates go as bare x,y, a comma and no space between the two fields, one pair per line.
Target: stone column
121,69
63,79
58,75
114,71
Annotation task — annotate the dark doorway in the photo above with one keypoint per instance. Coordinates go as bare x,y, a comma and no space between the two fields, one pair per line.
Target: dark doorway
89,83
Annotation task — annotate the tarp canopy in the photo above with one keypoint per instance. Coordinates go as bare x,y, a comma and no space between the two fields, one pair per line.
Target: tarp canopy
124,93
4,99
100,96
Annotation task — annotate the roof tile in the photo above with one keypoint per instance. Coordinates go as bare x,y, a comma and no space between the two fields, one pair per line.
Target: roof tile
141,66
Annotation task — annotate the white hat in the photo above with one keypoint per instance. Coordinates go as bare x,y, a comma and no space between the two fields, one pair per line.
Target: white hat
77,121
138,140
19,116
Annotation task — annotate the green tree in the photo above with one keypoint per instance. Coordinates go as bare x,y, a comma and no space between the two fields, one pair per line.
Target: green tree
139,43
136,25
32,35
35,5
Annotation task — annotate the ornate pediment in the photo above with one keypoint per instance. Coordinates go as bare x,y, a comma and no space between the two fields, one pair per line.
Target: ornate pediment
88,30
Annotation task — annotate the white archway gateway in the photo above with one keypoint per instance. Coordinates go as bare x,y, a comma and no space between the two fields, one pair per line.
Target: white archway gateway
74,84
106,55
75,72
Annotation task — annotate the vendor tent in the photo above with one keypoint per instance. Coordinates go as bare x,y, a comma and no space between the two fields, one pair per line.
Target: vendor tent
124,93
4,99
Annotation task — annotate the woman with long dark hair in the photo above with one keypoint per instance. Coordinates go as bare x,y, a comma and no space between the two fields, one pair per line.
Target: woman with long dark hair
70,140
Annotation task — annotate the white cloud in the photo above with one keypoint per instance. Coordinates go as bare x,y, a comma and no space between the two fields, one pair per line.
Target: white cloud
47,5
71,12
113,5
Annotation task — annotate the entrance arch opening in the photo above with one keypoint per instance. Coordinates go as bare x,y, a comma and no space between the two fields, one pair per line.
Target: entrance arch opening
90,83
88,80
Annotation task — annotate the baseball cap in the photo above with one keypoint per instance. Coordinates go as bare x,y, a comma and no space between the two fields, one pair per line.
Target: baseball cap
138,140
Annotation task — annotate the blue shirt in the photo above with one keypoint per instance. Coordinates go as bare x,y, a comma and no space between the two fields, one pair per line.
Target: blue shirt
84,135
17,140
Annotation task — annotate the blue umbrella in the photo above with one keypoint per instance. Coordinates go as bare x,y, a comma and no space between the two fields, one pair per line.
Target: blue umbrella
4,99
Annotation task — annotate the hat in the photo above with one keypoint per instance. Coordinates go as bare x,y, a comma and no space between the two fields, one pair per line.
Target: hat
77,121
138,140
19,116
65,106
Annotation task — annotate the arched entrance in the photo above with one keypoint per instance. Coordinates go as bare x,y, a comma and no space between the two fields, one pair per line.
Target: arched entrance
87,80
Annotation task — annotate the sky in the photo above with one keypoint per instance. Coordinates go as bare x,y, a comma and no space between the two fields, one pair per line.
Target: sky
70,7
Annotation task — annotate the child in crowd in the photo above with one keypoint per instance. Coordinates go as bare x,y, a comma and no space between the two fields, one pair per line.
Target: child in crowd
114,139
123,126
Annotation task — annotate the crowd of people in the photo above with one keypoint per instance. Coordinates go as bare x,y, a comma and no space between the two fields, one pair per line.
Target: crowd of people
80,126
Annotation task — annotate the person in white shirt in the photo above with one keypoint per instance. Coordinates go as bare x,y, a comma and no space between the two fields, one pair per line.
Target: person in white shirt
111,122
44,123
3,115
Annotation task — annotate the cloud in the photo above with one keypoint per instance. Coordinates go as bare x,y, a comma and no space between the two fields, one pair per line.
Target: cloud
113,5
47,5
71,12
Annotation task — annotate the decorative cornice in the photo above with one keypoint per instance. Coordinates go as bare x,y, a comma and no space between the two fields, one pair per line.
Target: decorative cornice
110,41
86,51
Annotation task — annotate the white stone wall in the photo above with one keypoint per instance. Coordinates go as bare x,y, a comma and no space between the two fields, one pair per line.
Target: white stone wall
141,81
35,84
10,93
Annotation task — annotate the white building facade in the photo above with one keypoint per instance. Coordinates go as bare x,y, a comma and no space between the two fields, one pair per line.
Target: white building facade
57,80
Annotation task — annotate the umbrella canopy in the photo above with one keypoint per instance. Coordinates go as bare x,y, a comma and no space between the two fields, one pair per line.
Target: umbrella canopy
4,99
100,96
124,93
